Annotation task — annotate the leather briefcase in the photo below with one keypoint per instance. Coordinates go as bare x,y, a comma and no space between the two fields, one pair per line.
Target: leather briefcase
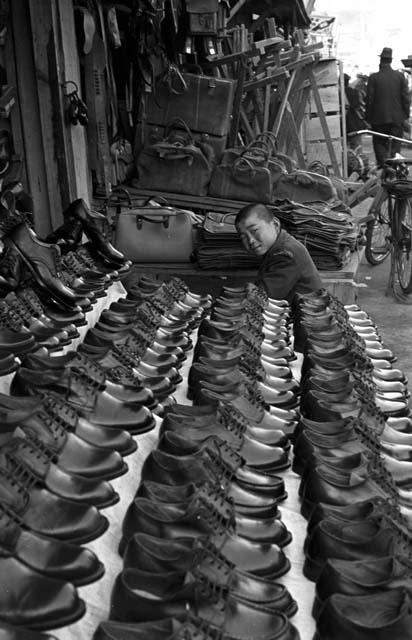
203,102
155,233
177,163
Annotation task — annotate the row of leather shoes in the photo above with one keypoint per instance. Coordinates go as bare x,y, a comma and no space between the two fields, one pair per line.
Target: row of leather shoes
70,427
203,536
353,451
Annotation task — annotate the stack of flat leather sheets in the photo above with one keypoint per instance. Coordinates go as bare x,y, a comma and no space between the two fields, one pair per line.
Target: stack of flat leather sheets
326,229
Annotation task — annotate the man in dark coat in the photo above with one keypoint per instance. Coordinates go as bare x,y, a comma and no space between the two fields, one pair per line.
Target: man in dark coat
387,106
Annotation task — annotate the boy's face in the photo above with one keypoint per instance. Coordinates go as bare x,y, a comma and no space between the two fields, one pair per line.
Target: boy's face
257,235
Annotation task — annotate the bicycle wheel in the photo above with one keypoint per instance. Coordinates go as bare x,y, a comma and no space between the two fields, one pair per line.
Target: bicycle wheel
403,243
378,231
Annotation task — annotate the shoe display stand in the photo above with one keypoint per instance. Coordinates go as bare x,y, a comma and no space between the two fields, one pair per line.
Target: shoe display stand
97,595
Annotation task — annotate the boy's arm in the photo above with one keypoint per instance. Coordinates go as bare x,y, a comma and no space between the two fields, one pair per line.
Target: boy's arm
279,274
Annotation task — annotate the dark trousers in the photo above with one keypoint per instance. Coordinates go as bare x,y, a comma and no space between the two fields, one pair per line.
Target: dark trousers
381,145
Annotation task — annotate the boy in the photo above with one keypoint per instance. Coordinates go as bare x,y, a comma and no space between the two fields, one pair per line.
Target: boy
286,267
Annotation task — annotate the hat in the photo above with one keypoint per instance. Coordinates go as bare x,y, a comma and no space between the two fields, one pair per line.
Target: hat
386,53
407,62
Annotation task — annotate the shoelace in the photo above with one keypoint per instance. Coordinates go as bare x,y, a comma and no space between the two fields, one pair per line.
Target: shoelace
197,629
125,356
19,308
60,411
31,301
8,318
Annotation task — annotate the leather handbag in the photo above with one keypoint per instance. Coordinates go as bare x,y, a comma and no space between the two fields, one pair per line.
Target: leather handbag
177,163
154,232
204,102
247,173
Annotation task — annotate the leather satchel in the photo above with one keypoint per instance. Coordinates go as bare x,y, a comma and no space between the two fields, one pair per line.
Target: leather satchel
249,173
155,232
177,163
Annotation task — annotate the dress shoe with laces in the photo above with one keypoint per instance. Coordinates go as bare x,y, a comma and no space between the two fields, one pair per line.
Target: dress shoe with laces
256,452
173,470
20,454
218,452
264,530
53,558
98,407
184,628
43,260
47,514
257,457
60,443
14,410
184,554
83,364
196,519
175,593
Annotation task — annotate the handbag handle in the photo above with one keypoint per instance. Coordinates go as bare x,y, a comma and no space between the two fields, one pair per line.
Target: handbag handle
164,221
183,125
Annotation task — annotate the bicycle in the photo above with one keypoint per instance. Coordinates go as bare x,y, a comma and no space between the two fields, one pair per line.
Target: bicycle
389,220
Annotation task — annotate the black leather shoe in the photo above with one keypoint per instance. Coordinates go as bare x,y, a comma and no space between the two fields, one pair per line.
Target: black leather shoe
176,593
217,453
15,410
185,628
269,530
185,554
36,601
43,261
73,454
11,632
256,456
53,558
98,407
197,520
21,453
378,616
94,224
164,468
47,514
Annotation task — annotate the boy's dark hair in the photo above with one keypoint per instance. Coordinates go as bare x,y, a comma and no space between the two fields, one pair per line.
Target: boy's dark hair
260,209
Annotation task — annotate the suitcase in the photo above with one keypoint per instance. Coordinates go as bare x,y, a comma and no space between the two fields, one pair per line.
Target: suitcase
154,133
205,104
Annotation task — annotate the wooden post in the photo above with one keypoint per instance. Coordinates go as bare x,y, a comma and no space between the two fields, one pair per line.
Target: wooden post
343,121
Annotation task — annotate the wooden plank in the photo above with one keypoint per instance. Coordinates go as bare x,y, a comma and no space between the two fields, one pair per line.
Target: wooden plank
330,99
326,72
43,27
315,129
80,178
30,117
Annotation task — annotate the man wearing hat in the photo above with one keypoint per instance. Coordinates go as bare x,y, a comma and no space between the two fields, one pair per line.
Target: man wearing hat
387,106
